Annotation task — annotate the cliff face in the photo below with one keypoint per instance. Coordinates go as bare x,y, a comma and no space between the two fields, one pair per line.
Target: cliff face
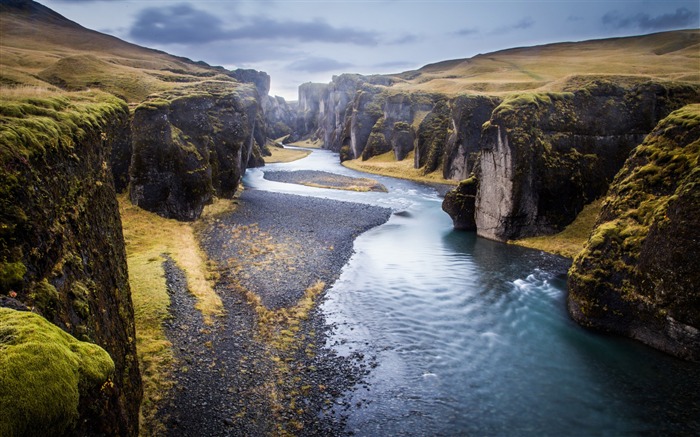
280,116
639,272
359,117
191,146
61,245
544,156
309,110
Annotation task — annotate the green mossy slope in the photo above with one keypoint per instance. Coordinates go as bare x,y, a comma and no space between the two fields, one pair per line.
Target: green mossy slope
61,245
43,374
639,272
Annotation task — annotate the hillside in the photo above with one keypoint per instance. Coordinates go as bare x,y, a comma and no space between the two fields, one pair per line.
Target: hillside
661,56
42,48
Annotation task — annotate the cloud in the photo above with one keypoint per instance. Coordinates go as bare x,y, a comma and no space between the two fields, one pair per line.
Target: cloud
177,24
395,64
522,24
405,39
467,31
184,24
315,30
683,17
317,65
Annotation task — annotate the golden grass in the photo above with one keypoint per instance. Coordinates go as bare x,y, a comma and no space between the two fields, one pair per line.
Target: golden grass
570,241
280,154
386,165
663,56
149,236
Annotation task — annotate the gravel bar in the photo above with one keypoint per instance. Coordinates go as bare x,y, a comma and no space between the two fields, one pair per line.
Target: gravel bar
274,245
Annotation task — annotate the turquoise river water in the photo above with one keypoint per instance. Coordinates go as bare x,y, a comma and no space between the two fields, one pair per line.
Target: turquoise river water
471,337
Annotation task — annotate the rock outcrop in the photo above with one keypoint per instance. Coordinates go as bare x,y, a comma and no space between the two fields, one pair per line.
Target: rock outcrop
545,155
36,399
192,145
280,116
61,246
361,117
639,272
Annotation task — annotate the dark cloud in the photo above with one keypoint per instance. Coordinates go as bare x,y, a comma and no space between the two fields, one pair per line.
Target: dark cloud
683,17
317,65
315,30
184,24
177,24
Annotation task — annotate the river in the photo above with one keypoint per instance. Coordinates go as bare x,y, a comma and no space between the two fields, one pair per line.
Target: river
471,337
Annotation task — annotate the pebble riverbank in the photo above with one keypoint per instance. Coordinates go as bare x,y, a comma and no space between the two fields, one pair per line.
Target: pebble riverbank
239,376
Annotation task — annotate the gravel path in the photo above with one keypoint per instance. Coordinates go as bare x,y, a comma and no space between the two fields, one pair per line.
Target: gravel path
263,369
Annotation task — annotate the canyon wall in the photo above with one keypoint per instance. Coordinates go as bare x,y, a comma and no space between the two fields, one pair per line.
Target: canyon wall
639,272
62,251
191,145
545,155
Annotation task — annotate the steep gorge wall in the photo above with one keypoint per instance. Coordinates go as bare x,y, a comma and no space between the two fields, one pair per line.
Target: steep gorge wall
639,272
61,246
544,156
192,146
361,117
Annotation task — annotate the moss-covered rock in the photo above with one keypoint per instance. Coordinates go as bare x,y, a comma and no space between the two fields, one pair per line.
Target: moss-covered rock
639,272
61,245
192,145
47,376
545,155
460,204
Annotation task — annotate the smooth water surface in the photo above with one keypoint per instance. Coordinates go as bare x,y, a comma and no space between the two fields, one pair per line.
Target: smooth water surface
471,337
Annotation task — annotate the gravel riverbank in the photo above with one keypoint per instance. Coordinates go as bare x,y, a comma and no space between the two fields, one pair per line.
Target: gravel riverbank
263,368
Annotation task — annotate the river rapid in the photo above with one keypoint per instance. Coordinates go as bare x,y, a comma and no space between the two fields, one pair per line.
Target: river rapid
471,337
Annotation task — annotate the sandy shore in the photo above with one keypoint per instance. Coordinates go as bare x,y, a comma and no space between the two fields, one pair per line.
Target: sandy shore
263,368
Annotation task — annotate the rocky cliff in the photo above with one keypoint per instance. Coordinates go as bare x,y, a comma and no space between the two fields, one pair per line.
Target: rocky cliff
194,144
639,272
280,116
545,155
61,245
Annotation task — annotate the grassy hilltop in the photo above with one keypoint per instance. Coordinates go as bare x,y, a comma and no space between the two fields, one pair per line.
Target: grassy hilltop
555,67
40,48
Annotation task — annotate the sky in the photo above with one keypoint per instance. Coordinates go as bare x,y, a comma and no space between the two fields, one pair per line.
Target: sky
298,41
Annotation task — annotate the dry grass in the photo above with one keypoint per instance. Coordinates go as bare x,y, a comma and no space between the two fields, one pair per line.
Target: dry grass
39,52
570,241
280,154
386,165
663,56
149,236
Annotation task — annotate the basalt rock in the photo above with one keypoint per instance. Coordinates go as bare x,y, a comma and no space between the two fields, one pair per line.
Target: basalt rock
545,155
639,272
61,245
280,116
191,146
460,204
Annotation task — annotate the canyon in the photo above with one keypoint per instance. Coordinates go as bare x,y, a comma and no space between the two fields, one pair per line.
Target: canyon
100,116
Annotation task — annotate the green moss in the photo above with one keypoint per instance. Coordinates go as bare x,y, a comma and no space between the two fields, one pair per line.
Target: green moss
11,274
30,125
43,373
515,102
44,297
